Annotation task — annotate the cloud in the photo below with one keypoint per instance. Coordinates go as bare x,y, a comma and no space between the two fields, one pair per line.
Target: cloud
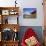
28,13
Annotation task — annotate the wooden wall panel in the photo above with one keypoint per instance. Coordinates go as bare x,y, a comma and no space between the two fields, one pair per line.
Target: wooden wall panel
44,22
45,13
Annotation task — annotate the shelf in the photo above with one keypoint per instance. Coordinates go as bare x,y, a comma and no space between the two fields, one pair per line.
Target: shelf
9,10
7,16
10,26
6,12
11,41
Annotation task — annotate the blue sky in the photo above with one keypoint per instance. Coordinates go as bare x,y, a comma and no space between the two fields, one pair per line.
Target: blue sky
29,10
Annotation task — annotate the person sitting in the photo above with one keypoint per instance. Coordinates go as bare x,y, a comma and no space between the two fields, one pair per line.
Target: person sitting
30,38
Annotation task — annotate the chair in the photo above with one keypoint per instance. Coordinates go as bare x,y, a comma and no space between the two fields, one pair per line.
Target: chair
29,33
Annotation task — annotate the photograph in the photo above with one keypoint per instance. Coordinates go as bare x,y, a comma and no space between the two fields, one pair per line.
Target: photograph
29,13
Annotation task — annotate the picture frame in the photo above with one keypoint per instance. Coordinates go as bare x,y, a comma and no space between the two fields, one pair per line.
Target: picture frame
29,13
5,12
12,12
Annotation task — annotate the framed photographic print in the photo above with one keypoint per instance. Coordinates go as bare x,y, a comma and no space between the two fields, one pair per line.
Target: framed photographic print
12,12
29,12
5,12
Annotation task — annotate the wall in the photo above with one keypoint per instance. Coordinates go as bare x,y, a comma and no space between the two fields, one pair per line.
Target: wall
32,22
27,4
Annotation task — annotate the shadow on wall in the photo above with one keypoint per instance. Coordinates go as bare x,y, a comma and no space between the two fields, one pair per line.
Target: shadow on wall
37,29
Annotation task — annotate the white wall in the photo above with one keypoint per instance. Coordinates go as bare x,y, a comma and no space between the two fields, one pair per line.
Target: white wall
27,4
34,4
